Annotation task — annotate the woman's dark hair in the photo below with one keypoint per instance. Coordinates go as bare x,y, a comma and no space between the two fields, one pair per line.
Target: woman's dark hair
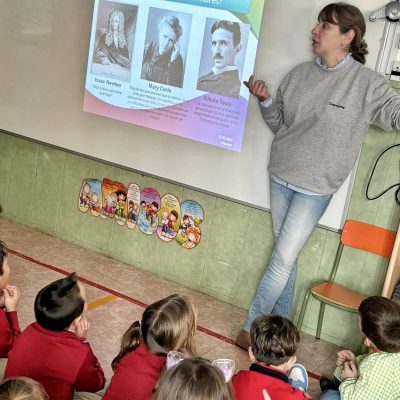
3,255
168,324
58,304
348,17
380,322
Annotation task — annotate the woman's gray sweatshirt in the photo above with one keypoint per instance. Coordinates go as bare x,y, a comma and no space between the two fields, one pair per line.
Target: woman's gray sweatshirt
320,119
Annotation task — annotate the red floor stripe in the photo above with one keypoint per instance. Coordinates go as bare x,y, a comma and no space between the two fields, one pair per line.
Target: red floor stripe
128,298
82,279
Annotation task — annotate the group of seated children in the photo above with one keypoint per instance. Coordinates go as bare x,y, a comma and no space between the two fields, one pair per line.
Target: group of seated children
51,358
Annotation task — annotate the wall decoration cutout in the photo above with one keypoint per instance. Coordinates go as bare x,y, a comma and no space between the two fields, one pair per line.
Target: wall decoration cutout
164,216
90,196
168,218
148,210
114,201
189,234
133,205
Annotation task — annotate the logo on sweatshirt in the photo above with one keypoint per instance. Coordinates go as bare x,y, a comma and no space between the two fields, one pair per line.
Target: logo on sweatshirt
336,105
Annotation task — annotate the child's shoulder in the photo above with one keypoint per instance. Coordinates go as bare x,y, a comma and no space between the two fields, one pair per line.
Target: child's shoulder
381,359
249,384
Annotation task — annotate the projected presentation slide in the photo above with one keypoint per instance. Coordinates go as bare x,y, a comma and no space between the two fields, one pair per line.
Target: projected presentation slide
174,66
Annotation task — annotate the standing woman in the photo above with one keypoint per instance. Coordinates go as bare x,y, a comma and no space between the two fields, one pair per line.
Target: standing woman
320,117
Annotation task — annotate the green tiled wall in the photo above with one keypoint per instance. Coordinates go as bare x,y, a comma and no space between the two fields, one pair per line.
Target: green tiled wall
39,187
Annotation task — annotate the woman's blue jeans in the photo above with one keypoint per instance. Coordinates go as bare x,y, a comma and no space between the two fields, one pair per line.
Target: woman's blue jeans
294,217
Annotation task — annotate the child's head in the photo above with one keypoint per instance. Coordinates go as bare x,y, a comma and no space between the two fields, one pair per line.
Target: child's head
274,340
168,324
195,379
4,268
86,188
380,323
173,216
121,195
193,235
60,303
21,388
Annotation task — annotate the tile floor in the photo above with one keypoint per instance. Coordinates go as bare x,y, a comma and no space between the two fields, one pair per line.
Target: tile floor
118,293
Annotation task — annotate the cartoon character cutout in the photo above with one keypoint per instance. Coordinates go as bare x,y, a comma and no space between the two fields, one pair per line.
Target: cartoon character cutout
95,205
168,218
164,221
120,211
151,213
114,200
193,236
133,199
111,205
148,210
189,234
186,223
84,197
169,225
90,196
133,210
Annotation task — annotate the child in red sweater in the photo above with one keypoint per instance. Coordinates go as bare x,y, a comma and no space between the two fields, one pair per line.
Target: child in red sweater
53,350
9,298
273,346
168,324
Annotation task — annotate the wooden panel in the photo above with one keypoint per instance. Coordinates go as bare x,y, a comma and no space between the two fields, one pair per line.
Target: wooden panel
393,273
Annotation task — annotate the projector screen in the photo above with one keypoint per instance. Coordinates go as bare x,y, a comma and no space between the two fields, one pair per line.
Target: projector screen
48,48
147,66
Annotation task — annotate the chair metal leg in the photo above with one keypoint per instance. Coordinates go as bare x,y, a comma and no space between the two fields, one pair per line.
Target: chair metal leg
320,318
303,309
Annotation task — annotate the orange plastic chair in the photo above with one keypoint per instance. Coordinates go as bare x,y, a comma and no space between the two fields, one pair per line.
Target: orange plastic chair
359,235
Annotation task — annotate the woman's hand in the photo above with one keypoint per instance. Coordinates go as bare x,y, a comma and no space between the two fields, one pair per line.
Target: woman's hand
257,88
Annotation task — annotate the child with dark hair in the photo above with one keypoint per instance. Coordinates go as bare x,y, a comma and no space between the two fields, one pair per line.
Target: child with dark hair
53,350
274,341
168,324
9,298
377,374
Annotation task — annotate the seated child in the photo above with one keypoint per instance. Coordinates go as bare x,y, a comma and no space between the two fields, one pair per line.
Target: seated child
375,376
168,324
22,388
53,350
274,342
9,298
194,379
